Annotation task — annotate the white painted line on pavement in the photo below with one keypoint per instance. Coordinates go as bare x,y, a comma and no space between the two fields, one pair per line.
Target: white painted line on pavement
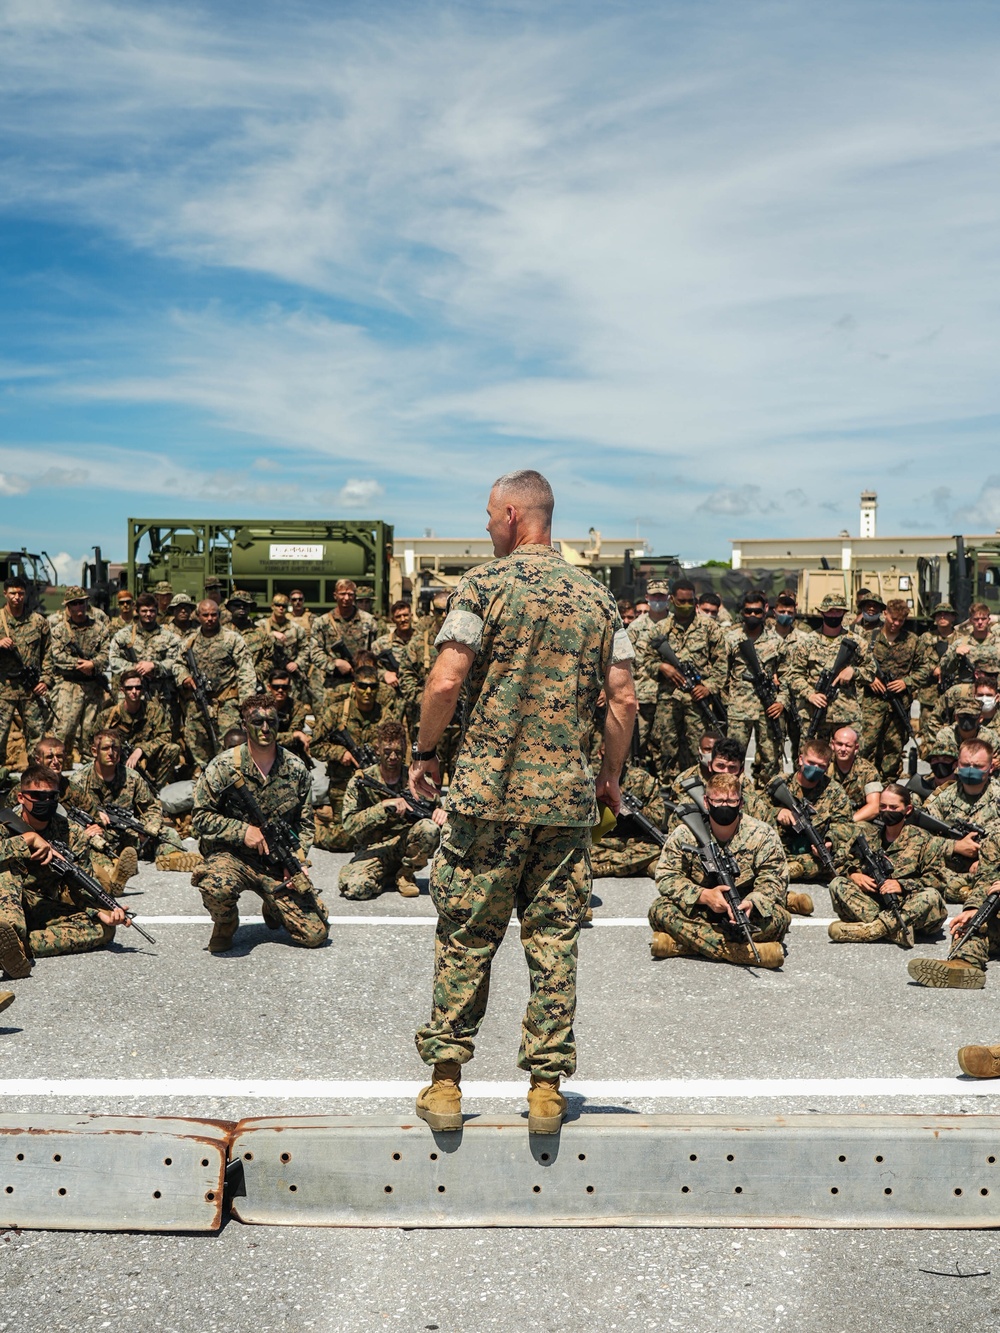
632,921
375,1089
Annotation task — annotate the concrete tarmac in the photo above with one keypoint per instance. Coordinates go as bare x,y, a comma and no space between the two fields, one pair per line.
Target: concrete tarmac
267,1011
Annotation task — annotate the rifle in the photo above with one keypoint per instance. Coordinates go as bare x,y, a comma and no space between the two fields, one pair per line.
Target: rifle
712,713
960,672
846,654
804,813
129,653
387,660
64,866
958,828
31,678
120,820
632,808
719,863
985,914
202,698
418,809
282,841
81,656
695,788
763,687
332,678
878,867
900,709
363,755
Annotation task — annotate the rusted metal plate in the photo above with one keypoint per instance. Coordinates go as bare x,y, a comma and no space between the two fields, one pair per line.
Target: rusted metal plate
622,1170
112,1173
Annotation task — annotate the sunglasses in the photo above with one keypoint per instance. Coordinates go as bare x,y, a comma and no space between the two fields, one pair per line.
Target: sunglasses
364,686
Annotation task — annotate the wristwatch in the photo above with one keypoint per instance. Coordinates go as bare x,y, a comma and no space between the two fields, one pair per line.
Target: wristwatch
419,756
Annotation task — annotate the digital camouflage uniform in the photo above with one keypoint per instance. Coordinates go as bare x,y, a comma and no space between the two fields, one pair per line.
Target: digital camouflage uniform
290,643
950,803
328,630
224,661
646,688
133,793
292,718
418,657
50,917
979,948
31,638
260,646
77,698
521,802
934,647
619,855
343,714
681,876
882,737
859,782
978,653
745,711
231,868
678,724
815,654
755,803
148,730
833,821
386,842
948,737
158,645
918,865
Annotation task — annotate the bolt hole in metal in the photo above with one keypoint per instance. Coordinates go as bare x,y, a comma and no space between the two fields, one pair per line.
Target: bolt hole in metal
984,1193
20,1156
536,1189
738,1189
730,1157
880,1158
286,1157
685,1189
581,1157
693,1157
210,1196
168,1161
841,1158
590,1189
545,1157
834,1190
57,1157
396,1156
157,1194
388,1189
9,1189
293,1188
248,1157
440,1189
204,1161
434,1156
957,1193
887,1191
991,1160
62,1191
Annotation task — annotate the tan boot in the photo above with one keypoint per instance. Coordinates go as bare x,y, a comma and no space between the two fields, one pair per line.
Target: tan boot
440,1103
944,973
125,867
222,937
546,1106
799,903
182,861
13,959
857,932
771,955
407,885
6,999
663,945
980,1061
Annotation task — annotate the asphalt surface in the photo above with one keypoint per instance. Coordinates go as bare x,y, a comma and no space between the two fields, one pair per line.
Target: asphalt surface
348,1011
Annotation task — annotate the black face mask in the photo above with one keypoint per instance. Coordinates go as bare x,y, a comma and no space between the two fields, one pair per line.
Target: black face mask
43,805
967,721
753,617
943,770
892,817
724,815
834,622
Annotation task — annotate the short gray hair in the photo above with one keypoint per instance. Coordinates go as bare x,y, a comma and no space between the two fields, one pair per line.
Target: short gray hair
530,486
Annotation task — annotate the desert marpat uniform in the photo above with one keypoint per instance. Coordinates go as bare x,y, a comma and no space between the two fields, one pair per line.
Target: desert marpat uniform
859,782
78,698
415,664
948,737
935,649
292,718
386,842
646,688
980,653
149,730
328,630
260,646
290,643
231,868
745,711
521,803
815,654
979,948
833,821
678,724
755,803
224,660
953,802
621,856
31,638
158,645
918,865
343,714
50,916
131,791
681,876
882,737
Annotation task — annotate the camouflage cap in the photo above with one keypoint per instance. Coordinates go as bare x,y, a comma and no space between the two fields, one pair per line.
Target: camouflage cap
871,599
213,582
162,588
943,609
944,744
181,599
363,590
240,597
74,594
833,602
657,586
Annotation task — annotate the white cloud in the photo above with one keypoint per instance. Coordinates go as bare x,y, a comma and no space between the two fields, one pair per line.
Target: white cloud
12,484
69,567
359,493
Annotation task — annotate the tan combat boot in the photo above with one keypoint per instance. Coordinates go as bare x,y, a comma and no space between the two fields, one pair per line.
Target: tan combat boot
943,973
182,861
6,999
222,936
13,959
799,903
663,945
546,1106
771,955
406,884
857,932
440,1103
124,868
980,1061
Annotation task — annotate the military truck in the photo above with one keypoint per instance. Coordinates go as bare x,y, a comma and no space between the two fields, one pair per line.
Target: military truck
38,572
263,556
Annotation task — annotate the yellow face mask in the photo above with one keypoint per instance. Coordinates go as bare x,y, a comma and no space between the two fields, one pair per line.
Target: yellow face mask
604,825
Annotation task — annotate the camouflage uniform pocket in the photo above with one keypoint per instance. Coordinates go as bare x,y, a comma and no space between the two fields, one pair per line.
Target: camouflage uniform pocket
458,836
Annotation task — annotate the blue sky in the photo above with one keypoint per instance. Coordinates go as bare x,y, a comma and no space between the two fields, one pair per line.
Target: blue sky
713,267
